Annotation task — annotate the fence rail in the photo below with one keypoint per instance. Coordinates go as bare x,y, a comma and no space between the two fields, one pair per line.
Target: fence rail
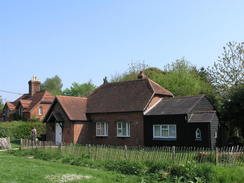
229,156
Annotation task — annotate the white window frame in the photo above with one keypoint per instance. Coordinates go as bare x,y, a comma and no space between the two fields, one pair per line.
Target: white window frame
198,134
104,126
127,129
161,136
40,110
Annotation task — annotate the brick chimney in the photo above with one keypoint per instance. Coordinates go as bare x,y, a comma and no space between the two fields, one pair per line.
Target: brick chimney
141,75
34,85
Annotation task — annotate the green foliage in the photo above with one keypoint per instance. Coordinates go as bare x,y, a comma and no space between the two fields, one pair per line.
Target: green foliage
1,104
53,85
79,90
131,74
20,129
234,107
228,70
126,167
149,171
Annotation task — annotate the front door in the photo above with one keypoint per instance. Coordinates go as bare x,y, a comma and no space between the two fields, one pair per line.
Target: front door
58,134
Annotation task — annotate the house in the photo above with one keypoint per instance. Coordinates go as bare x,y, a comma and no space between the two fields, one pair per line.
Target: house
135,113
66,120
181,121
33,105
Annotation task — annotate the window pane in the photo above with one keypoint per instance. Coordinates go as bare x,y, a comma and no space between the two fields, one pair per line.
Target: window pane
156,130
165,133
124,128
172,130
119,125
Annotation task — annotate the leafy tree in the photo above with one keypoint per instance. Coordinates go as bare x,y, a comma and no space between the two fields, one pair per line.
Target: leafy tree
228,70
131,74
53,85
1,104
79,90
233,108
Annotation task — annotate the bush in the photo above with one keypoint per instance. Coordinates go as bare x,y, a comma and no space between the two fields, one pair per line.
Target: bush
125,167
20,129
155,167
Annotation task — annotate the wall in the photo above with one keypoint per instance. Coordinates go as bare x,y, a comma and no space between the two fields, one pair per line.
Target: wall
35,112
67,126
136,128
185,131
80,133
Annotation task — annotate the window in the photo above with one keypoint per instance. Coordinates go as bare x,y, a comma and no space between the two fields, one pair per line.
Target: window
40,111
101,129
198,134
216,134
123,129
164,131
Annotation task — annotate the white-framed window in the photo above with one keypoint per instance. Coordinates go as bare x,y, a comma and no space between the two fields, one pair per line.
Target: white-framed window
164,131
101,129
198,134
40,110
123,129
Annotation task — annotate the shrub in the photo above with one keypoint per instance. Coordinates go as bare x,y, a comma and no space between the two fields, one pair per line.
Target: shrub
155,167
20,129
125,167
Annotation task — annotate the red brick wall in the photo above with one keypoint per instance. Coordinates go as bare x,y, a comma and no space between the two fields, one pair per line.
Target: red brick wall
67,126
73,132
35,111
80,133
136,128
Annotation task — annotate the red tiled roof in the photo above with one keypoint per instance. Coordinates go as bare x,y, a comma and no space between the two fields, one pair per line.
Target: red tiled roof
74,107
124,96
10,105
39,97
25,103
159,89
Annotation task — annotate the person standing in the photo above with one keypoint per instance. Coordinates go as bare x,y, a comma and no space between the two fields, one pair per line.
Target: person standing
33,134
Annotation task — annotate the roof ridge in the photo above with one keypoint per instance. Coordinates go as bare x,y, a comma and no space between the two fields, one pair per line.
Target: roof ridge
71,96
159,86
114,83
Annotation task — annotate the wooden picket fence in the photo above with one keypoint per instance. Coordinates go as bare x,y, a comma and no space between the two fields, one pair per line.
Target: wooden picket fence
229,156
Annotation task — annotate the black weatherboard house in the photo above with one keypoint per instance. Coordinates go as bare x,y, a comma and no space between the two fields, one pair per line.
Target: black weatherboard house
181,121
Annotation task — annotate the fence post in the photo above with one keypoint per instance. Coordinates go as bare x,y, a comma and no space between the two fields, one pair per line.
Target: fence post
173,153
126,155
216,155
21,143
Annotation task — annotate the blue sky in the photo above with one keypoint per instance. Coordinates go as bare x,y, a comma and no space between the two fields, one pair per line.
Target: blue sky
87,40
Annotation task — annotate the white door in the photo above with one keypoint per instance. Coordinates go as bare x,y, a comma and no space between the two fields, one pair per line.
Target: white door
58,133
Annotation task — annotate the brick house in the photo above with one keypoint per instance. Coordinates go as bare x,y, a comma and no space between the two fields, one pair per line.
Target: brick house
33,105
66,120
133,113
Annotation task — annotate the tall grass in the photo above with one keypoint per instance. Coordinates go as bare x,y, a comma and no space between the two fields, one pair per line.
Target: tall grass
228,156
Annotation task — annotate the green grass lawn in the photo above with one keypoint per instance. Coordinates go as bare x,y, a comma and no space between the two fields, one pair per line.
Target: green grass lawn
25,170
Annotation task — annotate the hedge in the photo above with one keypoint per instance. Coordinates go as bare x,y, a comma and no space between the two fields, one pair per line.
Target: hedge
20,129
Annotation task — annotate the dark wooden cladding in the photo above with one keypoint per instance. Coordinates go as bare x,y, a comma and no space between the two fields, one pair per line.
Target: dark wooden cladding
185,131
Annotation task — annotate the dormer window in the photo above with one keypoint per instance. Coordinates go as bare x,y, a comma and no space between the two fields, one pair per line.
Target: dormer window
198,134
40,111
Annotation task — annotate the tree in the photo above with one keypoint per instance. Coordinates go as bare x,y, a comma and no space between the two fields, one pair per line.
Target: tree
53,85
228,70
233,108
1,104
131,74
79,90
